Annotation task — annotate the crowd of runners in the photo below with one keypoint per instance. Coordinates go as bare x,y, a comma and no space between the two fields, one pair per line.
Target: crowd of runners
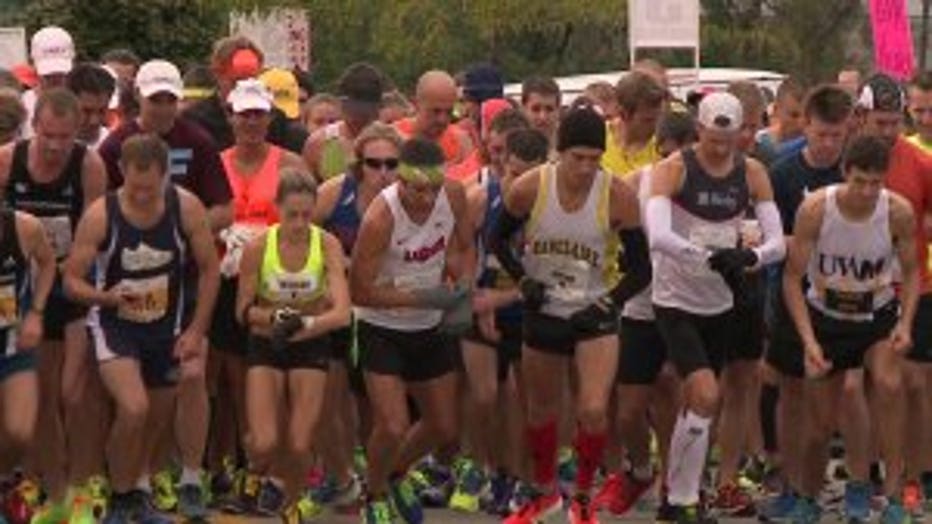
222,292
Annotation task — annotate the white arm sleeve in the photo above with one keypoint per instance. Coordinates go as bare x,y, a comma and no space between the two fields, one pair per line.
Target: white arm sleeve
659,220
774,247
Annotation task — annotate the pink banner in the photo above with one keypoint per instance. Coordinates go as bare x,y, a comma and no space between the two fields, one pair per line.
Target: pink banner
893,40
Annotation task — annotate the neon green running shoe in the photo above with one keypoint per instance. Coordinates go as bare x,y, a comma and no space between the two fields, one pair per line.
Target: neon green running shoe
164,496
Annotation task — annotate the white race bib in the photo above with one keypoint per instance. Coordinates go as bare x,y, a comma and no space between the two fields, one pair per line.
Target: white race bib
293,287
567,280
58,230
150,299
714,236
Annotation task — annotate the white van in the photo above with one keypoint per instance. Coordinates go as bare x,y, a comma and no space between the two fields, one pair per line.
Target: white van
682,81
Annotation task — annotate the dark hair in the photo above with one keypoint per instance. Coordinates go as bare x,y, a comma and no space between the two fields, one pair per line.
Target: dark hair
887,93
90,78
12,111
305,81
867,153
828,103
637,89
529,145
121,56
922,81
323,98
790,88
750,96
422,153
293,180
508,120
678,126
199,77
59,101
144,150
539,85
362,81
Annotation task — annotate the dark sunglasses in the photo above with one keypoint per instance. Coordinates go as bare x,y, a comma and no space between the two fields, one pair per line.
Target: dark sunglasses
389,164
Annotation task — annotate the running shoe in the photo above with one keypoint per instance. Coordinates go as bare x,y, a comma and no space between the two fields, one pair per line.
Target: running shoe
271,499
805,511
581,511
630,491
143,510
81,509
895,513
324,489
302,511
912,500
666,512
223,482
520,495
163,491
432,482
501,490
471,484
119,509
377,512
608,493
98,489
566,469
50,513
405,500
245,496
692,514
539,507
777,508
857,508
346,497
732,501
191,504
22,500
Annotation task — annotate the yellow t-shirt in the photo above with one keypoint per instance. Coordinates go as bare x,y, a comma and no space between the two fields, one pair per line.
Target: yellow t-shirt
624,163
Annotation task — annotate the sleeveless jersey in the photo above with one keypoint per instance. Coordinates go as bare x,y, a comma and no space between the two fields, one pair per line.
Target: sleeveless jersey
851,270
415,259
344,221
708,212
640,307
57,204
491,273
253,204
575,254
280,286
14,281
449,141
150,262
334,159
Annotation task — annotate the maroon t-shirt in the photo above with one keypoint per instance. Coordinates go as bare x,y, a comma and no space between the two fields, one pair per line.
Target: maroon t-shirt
193,160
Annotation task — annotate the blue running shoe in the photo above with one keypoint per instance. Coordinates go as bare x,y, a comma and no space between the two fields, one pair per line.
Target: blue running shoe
857,502
778,508
406,502
806,511
895,513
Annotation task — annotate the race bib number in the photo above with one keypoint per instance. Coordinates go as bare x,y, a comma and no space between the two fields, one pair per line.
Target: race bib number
567,281
148,299
58,231
235,239
713,236
9,313
850,302
293,287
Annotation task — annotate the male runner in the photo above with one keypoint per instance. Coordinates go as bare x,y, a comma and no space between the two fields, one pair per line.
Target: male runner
145,236
847,241
630,143
195,165
828,111
920,109
783,135
412,236
882,103
52,53
581,225
700,263
55,178
540,100
94,87
27,272
435,97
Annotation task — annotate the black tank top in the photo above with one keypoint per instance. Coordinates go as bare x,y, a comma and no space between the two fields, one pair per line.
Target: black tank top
715,199
14,281
58,204
151,262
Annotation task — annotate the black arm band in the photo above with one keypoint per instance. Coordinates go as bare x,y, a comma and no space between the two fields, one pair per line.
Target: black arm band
635,258
506,225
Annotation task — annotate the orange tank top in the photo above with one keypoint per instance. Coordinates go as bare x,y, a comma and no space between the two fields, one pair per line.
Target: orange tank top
254,194
449,141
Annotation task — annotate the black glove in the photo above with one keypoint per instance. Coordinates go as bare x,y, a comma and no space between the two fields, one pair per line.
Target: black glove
441,297
533,292
598,318
732,259
285,323
458,320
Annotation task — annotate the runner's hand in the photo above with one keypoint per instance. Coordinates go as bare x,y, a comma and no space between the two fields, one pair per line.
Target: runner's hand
599,317
30,331
189,350
458,320
487,328
901,338
285,323
815,363
483,301
534,293
731,260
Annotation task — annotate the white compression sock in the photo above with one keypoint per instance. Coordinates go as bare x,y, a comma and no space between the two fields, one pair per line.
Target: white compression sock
688,449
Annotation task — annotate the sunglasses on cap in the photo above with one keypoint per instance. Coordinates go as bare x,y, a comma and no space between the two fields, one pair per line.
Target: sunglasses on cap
389,164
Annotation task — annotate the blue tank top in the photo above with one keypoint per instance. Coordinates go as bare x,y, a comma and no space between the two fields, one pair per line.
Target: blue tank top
344,221
491,274
15,289
149,262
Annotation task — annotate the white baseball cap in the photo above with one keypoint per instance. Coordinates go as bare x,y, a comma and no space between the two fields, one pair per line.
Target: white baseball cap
720,111
159,76
52,51
250,94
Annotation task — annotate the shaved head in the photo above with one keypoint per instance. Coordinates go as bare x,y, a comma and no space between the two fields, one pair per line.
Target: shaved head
436,95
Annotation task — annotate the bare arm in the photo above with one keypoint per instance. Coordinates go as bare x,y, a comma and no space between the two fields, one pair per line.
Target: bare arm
519,203
902,226
194,222
805,234
461,253
90,233
219,217
247,312
371,243
36,247
338,315
327,195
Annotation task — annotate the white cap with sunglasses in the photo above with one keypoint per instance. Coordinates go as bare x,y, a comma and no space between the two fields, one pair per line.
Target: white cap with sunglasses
250,95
